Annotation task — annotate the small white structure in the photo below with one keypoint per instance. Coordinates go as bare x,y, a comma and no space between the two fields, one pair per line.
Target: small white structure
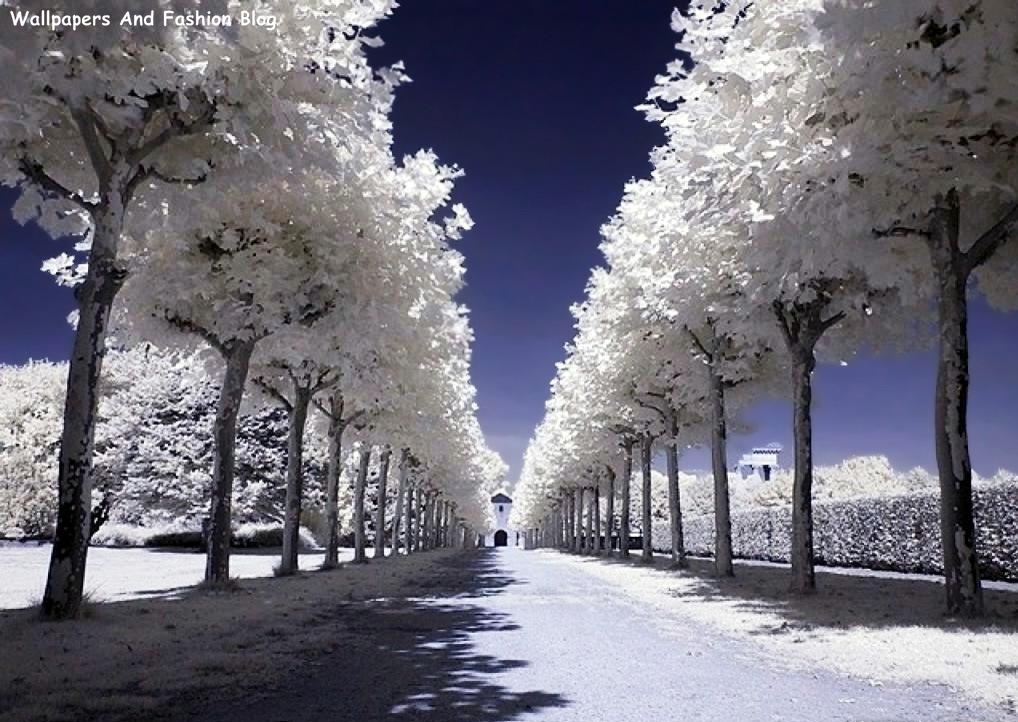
760,463
502,535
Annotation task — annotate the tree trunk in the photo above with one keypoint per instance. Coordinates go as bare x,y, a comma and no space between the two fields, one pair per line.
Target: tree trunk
597,519
573,532
723,566
65,581
294,479
578,521
563,521
383,480
336,428
238,360
627,476
408,528
569,519
360,486
588,535
437,528
397,514
609,515
429,504
803,325
803,577
418,517
674,500
436,524
647,452
957,525
581,521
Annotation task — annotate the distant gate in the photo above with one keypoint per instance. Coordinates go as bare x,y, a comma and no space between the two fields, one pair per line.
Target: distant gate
501,538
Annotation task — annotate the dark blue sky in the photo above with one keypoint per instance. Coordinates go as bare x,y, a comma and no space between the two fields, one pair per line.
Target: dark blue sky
534,99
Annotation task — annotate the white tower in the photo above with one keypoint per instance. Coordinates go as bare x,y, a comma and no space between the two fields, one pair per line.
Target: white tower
502,535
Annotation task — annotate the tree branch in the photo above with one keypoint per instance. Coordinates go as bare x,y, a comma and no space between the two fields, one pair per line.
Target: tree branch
831,322
143,174
325,380
900,232
697,343
36,174
988,243
188,326
84,118
273,392
332,415
104,129
646,405
786,329
175,129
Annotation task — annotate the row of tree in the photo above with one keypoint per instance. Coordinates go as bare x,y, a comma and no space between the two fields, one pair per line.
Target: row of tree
835,176
234,190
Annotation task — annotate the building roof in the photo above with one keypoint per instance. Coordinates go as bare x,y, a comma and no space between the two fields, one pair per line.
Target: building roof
501,498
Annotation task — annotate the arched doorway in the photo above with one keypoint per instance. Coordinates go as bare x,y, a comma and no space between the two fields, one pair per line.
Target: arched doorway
501,538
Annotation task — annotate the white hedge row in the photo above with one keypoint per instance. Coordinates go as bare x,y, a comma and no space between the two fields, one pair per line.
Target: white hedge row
897,533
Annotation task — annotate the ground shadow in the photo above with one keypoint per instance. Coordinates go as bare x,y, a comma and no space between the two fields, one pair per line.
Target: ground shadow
406,658
841,601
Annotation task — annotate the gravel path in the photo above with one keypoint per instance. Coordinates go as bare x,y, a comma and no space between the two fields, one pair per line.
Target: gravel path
507,635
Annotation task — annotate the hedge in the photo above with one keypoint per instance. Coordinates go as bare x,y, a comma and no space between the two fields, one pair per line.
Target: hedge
894,533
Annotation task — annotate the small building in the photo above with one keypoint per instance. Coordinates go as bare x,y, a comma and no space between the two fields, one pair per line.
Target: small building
760,463
502,535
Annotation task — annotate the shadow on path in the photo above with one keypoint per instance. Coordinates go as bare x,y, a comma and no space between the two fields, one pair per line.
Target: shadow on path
406,658
842,600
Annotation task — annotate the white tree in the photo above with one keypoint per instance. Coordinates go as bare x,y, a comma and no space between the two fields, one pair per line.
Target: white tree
231,280
30,402
95,123
921,116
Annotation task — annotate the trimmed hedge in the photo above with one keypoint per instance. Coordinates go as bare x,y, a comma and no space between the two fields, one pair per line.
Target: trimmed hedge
894,533
245,536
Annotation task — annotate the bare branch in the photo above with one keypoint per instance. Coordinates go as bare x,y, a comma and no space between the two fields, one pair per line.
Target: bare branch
988,243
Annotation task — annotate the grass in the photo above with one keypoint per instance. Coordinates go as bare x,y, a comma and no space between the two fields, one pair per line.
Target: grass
88,609
146,655
229,586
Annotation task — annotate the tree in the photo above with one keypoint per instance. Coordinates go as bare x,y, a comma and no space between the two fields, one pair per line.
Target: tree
305,381
924,113
231,281
101,123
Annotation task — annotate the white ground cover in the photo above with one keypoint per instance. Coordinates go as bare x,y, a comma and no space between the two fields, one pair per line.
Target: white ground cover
120,574
878,627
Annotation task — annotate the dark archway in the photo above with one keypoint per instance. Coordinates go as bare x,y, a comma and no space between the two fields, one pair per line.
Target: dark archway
501,538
